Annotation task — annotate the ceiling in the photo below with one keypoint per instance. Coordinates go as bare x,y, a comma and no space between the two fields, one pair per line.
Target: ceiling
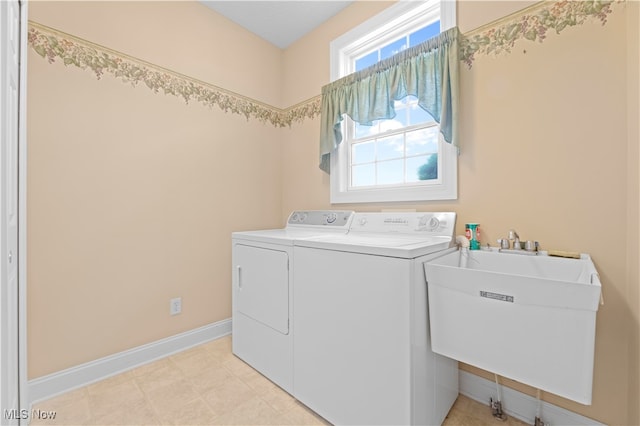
279,22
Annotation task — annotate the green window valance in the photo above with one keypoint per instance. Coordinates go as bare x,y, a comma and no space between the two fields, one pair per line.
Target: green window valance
428,71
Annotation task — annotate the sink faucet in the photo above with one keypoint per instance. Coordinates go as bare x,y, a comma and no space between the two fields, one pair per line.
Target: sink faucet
530,247
513,236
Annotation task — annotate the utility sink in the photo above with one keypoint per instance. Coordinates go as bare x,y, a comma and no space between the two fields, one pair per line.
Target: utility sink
528,318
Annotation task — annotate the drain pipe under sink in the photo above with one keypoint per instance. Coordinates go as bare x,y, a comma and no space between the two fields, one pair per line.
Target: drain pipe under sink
496,406
538,421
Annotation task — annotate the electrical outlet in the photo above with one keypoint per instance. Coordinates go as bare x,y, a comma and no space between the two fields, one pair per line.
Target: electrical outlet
175,306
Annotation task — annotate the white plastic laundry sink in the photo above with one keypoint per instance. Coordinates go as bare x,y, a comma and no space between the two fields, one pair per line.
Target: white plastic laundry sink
528,318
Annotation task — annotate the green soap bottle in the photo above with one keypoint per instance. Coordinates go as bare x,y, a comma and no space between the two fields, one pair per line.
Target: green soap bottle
472,231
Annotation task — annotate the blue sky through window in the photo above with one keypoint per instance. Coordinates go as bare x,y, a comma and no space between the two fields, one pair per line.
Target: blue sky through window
397,158
393,48
424,34
367,61
396,46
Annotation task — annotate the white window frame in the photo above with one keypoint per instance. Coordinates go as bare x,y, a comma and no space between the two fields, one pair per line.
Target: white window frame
385,27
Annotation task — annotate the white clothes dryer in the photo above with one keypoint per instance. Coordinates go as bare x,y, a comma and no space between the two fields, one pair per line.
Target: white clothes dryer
262,290
362,352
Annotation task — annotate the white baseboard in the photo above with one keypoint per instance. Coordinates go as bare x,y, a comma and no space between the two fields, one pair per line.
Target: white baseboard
517,404
54,384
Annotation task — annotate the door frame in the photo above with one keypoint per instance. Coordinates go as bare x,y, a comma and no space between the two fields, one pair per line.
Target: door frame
25,402
18,300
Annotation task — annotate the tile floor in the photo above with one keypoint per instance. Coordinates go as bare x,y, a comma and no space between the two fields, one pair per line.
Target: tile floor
205,385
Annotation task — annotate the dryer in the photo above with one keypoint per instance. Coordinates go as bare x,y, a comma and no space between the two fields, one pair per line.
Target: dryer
262,290
362,353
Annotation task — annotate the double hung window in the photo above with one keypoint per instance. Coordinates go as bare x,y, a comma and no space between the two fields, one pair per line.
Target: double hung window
402,158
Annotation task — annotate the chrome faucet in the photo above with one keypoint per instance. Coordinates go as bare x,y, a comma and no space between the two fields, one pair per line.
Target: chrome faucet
513,236
506,245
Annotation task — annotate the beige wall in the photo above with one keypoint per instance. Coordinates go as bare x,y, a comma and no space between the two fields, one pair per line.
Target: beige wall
132,195
633,208
545,149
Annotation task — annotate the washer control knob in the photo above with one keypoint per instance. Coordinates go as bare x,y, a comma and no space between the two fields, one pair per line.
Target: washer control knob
294,217
433,224
331,217
363,221
303,217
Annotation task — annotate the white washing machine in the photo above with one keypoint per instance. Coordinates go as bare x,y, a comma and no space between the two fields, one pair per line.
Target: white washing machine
262,290
362,352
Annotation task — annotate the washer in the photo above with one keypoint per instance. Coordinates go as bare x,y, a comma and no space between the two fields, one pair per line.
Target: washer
362,352
262,290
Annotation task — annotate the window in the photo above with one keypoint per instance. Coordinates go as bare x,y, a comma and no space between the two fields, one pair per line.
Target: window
401,159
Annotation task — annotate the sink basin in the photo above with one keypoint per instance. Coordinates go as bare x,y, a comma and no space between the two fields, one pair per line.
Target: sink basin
528,318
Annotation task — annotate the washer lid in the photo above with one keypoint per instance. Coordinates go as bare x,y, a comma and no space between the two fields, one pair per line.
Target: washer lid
405,246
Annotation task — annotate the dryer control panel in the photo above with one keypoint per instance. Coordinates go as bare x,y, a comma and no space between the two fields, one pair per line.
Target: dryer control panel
336,219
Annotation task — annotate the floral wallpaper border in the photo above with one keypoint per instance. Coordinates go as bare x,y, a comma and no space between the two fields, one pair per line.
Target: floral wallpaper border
55,45
532,24
498,37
